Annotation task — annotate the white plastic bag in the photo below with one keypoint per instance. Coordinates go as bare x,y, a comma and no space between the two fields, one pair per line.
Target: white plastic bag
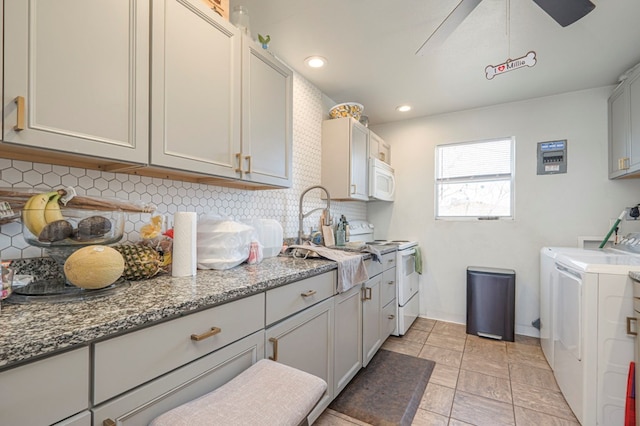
223,243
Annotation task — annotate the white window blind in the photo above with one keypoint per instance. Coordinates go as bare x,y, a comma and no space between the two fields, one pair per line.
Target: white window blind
475,179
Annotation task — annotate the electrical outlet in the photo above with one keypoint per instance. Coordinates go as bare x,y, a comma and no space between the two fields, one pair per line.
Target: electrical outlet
632,213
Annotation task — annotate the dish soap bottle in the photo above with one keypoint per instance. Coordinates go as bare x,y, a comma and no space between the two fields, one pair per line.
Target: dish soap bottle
347,233
340,233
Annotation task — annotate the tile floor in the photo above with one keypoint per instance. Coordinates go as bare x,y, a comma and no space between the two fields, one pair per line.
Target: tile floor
477,381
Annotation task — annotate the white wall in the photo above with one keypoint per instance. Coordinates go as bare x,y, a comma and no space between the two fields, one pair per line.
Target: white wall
551,210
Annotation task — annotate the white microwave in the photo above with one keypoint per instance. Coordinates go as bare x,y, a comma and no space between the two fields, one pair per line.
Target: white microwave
382,183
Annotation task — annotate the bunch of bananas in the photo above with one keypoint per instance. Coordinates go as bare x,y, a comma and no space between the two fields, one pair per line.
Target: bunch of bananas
40,210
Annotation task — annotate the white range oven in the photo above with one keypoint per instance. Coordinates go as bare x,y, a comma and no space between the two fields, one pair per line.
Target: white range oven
407,282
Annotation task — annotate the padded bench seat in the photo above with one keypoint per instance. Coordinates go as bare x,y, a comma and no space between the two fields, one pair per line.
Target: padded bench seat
267,393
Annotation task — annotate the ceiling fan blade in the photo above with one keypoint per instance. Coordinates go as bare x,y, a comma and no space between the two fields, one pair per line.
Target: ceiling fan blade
450,23
566,12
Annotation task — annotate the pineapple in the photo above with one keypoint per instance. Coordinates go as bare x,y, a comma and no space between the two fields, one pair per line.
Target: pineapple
141,262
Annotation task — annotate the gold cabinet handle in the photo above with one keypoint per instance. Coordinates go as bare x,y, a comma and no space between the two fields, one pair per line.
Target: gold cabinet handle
108,422
212,332
623,163
391,316
381,155
629,320
275,348
308,293
19,100
239,160
366,293
248,158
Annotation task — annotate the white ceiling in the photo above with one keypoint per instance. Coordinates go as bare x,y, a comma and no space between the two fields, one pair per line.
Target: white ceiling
370,46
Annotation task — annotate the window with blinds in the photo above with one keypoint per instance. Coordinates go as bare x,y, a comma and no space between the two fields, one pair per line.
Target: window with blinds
475,179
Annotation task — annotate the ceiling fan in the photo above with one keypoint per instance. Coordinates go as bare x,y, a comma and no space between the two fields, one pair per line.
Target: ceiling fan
564,12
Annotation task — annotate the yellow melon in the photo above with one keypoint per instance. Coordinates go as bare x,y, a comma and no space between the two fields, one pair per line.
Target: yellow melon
94,267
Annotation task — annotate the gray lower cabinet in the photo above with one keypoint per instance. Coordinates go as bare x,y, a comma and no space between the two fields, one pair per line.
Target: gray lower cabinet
143,404
379,307
47,391
371,324
305,341
347,337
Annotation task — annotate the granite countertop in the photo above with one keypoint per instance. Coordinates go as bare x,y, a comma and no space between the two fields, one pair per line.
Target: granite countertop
33,330
635,275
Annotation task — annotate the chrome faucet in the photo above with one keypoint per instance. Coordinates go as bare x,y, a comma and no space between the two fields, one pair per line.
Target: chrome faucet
326,210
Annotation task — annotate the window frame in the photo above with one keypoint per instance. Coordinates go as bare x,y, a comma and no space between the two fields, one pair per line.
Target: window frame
482,178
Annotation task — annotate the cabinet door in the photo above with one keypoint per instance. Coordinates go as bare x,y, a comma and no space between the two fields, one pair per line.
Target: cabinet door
345,145
45,391
348,337
305,341
359,173
371,319
618,132
267,110
379,149
634,124
389,319
195,92
81,72
141,405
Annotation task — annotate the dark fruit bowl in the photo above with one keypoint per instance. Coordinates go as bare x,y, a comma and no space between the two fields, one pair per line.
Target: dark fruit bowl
72,227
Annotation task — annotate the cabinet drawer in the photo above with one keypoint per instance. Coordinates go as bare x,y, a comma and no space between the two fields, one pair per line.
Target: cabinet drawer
389,316
373,268
46,391
388,260
289,299
82,419
129,360
189,382
388,288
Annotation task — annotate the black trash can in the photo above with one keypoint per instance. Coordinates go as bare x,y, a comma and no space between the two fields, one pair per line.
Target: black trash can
491,298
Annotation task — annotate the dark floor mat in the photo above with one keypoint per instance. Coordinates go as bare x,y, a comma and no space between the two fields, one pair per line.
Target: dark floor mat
386,392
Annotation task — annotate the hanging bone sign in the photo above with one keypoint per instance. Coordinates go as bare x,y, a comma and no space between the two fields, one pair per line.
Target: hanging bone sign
528,60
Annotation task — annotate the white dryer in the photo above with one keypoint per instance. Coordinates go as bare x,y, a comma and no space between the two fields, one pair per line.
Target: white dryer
593,295
548,257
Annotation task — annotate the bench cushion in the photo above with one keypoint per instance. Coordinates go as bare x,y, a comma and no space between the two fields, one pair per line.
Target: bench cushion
267,393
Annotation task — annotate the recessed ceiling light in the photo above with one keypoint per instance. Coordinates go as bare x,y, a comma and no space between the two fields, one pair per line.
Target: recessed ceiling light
403,108
315,61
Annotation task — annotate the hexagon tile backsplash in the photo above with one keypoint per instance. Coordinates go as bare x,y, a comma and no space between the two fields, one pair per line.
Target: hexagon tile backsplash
171,196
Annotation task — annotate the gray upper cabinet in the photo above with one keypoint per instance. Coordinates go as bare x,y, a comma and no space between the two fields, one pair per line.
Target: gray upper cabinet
76,77
345,144
267,111
168,90
624,128
196,75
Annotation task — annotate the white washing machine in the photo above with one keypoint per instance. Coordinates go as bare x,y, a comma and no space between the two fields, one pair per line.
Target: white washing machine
593,296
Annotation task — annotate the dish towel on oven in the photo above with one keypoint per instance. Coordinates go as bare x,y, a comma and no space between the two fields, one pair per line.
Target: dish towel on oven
418,257
351,269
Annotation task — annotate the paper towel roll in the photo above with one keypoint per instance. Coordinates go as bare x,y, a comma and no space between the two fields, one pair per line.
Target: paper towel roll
184,254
